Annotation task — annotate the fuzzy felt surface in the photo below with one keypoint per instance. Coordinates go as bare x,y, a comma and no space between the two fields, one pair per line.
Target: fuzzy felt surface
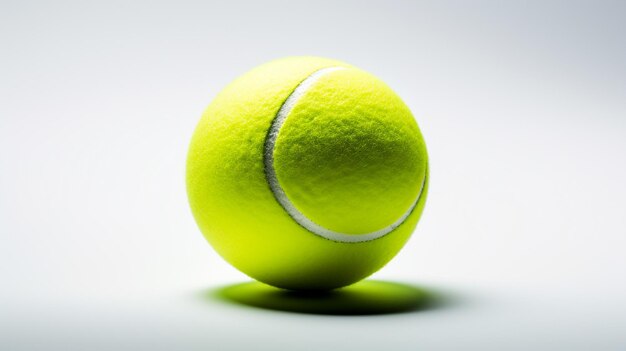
350,155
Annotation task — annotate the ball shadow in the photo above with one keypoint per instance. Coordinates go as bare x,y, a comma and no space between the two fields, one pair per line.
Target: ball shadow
369,297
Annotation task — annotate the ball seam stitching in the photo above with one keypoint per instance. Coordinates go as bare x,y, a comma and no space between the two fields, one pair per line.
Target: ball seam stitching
278,191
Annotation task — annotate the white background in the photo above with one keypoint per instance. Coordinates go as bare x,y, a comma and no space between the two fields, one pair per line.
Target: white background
522,104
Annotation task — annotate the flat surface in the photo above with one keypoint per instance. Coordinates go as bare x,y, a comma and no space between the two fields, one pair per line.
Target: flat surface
522,107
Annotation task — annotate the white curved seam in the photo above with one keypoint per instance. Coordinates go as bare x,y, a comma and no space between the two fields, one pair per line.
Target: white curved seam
280,194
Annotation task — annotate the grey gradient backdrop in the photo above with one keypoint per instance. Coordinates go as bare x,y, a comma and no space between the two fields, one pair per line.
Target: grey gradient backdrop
523,106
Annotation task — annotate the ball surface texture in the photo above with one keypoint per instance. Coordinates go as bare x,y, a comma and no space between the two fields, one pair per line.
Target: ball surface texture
307,173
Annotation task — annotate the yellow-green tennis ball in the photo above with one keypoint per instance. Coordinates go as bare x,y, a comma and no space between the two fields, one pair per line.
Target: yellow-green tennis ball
307,173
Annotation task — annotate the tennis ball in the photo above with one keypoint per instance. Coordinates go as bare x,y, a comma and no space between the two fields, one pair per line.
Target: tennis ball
307,173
